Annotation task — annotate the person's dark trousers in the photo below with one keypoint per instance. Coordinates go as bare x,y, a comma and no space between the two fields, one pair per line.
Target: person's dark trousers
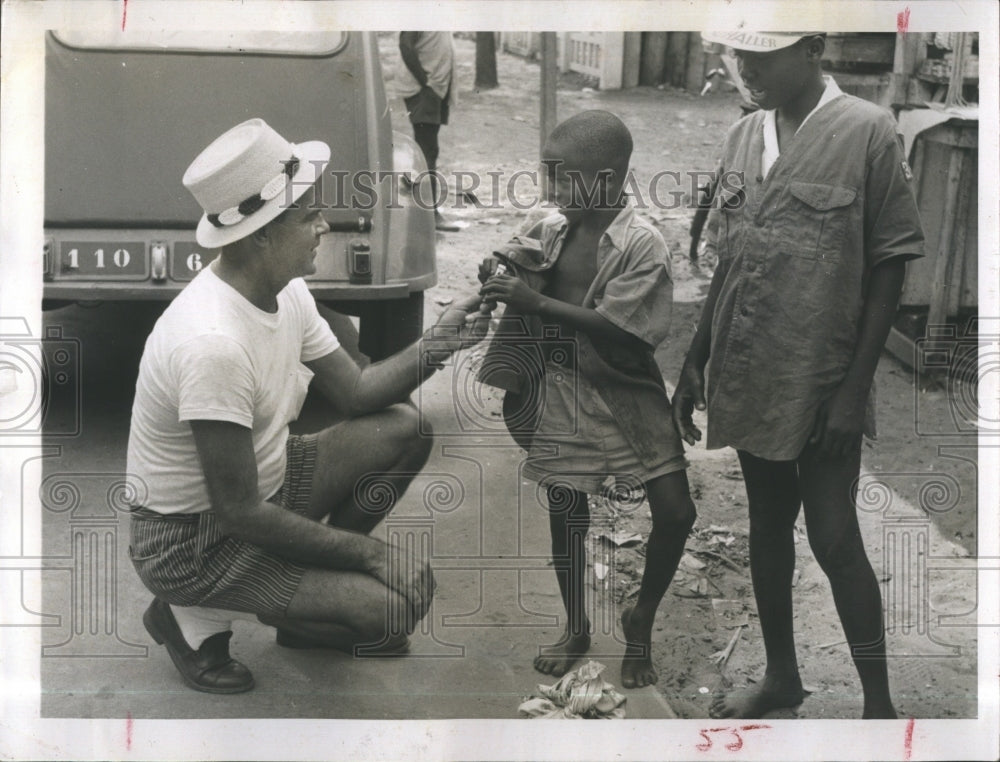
426,136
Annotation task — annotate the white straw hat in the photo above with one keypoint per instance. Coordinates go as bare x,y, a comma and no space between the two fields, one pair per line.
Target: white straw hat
247,176
758,42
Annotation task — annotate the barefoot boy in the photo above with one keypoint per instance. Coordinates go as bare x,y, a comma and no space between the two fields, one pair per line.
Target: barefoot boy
602,279
817,222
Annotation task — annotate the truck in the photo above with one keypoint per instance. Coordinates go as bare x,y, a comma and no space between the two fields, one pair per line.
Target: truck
126,112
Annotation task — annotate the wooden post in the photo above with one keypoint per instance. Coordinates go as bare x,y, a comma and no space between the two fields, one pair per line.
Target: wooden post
653,58
695,69
936,313
677,58
547,115
631,59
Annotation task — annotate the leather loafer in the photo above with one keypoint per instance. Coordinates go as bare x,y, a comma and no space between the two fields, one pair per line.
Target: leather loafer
210,668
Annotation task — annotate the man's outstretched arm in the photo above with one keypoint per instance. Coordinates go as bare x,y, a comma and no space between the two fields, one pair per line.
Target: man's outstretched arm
356,391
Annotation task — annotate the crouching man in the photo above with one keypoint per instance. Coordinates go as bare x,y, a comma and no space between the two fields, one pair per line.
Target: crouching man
235,517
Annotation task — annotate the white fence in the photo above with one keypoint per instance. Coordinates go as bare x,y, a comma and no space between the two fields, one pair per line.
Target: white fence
610,57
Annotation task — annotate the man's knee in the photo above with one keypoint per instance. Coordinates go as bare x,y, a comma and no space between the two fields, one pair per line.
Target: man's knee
411,435
388,620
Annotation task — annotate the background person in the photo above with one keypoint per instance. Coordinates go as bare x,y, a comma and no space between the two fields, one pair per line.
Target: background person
426,80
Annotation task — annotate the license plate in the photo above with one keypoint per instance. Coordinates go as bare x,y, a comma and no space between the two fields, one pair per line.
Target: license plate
189,259
95,260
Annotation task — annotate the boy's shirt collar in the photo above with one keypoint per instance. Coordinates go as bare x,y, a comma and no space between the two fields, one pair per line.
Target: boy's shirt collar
771,150
615,232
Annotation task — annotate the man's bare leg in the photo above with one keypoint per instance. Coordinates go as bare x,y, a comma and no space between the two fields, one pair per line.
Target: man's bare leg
773,497
364,465
828,496
673,516
569,519
384,450
346,611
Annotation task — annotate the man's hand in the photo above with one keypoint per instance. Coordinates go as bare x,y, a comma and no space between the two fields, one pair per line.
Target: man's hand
408,576
462,325
839,423
513,292
689,394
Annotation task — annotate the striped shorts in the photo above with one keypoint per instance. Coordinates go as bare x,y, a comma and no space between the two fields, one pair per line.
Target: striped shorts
184,559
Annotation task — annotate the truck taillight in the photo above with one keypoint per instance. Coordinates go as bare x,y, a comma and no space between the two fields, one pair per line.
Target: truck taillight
158,261
47,259
359,262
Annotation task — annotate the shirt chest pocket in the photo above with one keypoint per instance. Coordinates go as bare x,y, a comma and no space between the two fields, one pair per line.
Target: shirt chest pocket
815,219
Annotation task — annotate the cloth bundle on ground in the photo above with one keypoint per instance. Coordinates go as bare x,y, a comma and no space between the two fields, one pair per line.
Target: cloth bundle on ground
580,694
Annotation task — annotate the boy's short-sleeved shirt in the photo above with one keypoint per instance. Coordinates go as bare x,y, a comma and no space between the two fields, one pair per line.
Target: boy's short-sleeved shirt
799,245
633,287
215,356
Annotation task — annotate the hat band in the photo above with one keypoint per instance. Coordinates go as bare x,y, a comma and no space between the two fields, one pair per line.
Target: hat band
249,205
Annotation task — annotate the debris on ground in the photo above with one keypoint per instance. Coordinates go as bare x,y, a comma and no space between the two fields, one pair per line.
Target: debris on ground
580,694
721,658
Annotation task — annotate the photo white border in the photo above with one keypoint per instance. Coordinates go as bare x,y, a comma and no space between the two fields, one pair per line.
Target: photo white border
24,735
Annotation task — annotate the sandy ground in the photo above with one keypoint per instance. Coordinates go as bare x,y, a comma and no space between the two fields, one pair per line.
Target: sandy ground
920,474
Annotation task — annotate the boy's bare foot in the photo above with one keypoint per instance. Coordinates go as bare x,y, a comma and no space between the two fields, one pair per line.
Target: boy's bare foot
637,666
881,712
757,700
559,658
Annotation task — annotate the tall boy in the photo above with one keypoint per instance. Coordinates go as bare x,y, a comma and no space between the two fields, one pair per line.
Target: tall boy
603,280
817,222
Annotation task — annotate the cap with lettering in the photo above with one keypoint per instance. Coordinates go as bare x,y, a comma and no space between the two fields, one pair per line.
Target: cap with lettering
757,42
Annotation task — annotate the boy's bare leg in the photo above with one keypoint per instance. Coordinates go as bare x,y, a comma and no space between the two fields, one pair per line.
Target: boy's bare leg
773,497
673,516
569,519
828,493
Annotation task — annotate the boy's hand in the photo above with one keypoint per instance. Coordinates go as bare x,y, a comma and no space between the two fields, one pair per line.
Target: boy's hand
689,394
512,291
487,267
839,423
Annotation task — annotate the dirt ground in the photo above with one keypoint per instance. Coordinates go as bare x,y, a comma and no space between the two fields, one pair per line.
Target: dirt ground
927,465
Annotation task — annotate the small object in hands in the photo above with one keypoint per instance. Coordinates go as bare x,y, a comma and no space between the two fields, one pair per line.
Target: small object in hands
487,307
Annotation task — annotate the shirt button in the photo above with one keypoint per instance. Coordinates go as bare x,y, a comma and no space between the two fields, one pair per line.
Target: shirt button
751,267
744,312
760,178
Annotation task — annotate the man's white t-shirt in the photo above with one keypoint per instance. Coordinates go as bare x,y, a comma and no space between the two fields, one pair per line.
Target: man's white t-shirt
215,356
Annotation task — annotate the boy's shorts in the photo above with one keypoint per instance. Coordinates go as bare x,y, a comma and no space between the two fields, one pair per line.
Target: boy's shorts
184,559
579,443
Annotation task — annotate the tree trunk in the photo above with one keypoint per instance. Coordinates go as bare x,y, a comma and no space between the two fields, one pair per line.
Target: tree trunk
486,60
